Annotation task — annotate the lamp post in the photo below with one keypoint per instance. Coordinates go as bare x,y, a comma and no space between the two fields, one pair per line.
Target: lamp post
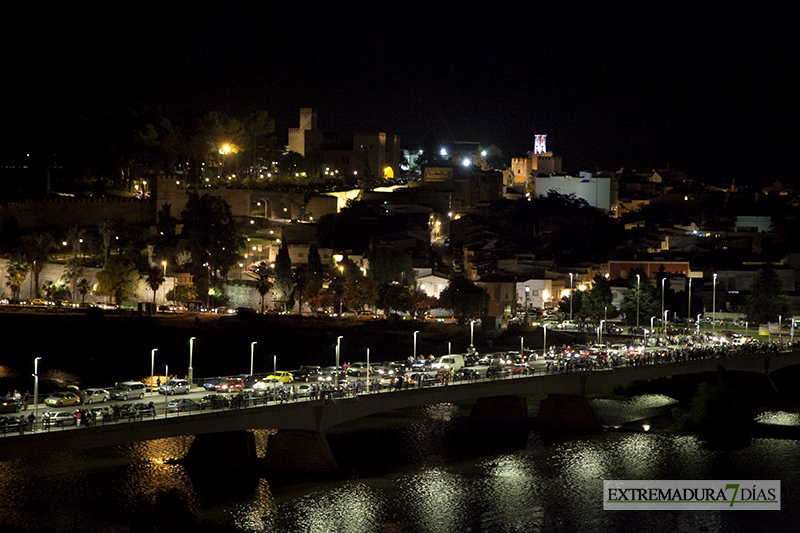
664,324
527,312
449,348
252,350
544,341
714,302
779,328
367,369
191,354
663,282
274,363
152,365
415,345
689,308
36,389
522,345
472,335
570,296
638,292
338,352
600,332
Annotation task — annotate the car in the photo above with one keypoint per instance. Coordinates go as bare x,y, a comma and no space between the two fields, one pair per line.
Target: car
62,399
132,411
61,418
366,315
306,373
183,404
247,379
329,374
96,395
422,380
466,374
151,385
521,369
282,375
268,384
211,383
101,413
127,389
304,390
175,386
214,401
9,404
229,385
357,369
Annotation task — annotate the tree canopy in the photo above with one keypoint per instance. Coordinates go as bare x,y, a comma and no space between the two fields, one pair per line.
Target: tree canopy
465,299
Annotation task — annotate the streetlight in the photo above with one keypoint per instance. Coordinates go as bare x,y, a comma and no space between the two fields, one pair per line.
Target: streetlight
522,345
544,342
689,310
570,296
638,292
191,354
338,351
415,345
471,335
252,350
274,363
36,389
527,313
367,369
152,364
663,281
714,302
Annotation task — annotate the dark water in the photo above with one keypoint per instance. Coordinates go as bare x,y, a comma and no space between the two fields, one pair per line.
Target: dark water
419,470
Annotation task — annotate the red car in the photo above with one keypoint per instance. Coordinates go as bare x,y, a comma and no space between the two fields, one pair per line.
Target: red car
229,385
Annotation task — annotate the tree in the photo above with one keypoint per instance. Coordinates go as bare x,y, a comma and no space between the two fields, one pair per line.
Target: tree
315,272
72,271
766,301
37,253
283,287
83,289
75,237
465,299
17,271
396,297
359,291
648,298
263,285
183,294
213,238
387,265
597,302
118,279
154,280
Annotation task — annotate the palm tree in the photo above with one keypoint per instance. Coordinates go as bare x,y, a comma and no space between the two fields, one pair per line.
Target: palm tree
72,271
75,238
17,271
83,289
37,250
155,277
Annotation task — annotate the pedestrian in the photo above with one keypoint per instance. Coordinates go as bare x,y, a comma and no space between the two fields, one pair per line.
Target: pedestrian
78,417
25,399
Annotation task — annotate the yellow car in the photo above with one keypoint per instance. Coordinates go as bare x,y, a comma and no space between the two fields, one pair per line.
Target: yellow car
286,377
62,399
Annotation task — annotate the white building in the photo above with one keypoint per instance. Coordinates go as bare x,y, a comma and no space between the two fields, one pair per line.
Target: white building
534,292
598,191
430,283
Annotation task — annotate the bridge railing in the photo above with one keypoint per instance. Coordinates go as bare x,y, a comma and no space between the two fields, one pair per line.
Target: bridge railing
16,426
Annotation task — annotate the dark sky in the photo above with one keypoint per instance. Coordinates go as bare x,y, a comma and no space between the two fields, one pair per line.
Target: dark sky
707,89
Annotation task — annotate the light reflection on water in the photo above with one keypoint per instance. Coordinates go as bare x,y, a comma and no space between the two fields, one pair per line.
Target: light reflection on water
541,487
779,418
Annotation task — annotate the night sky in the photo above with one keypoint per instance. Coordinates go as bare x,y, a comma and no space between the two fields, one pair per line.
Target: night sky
708,90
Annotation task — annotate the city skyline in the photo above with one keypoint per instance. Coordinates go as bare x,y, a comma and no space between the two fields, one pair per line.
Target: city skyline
699,89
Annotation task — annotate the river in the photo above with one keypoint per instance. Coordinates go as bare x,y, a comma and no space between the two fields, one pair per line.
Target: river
427,469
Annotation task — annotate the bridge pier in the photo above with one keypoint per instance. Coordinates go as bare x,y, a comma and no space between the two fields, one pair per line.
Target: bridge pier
505,409
566,411
231,448
300,450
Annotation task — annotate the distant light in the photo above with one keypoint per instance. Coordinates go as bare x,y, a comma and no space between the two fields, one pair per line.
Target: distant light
483,153
466,162
443,152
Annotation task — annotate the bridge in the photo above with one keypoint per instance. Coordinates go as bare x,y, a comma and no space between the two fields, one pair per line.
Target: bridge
300,443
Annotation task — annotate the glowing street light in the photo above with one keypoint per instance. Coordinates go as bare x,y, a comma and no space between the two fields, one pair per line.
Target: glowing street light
714,301
152,365
191,354
338,352
570,296
36,389
415,344
252,351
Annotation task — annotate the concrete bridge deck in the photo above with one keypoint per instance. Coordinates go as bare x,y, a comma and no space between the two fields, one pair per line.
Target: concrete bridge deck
316,416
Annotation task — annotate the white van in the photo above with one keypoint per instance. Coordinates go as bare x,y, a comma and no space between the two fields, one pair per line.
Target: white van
451,362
